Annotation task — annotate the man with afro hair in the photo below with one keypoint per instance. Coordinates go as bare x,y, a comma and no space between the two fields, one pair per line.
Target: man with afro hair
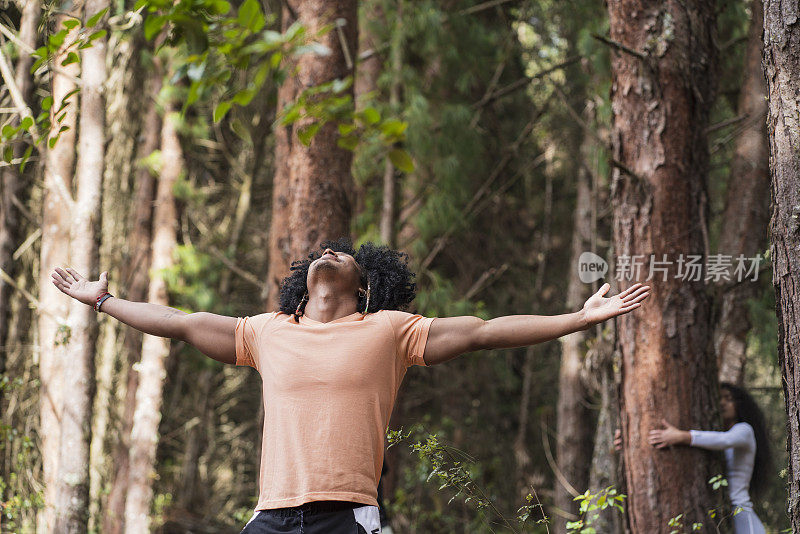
331,360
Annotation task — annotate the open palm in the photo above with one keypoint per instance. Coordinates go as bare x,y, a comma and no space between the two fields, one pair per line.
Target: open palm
598,308
70,282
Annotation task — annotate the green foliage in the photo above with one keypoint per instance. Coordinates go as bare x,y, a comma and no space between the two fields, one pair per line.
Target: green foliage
590,506
18,501
457,472
223,48
32,130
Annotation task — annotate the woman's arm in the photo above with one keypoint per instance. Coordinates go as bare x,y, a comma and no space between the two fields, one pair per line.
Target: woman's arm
452,336
736,436
211,334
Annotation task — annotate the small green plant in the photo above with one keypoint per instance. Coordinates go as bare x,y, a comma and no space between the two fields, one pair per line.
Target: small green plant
714,514
590,506
453,468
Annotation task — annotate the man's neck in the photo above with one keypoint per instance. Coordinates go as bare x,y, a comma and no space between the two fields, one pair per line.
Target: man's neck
326,304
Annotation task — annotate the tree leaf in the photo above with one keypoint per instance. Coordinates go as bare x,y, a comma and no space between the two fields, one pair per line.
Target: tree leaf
153,25
221,110
99,34
307,133
401,159
94,19
70,23
25,157
250,15
72,57
371,115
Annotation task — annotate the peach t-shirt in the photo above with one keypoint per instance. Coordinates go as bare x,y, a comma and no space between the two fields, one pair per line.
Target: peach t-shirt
328,391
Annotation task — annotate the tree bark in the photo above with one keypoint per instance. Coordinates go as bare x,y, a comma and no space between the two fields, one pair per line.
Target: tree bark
10,184
389,204
312,185
147,415
128,136
782,70
53,331
662,90
746,212
136,277
78,376
574,445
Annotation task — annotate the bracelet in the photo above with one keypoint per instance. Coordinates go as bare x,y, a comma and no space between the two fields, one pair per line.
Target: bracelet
101,299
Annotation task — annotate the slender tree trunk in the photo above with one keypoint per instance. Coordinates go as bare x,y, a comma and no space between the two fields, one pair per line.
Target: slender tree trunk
126,103
78,374
782,70
53,332
662,90
191,491
747,206
574,445
312,185
10,183
147,415
605,468
136,278
389,205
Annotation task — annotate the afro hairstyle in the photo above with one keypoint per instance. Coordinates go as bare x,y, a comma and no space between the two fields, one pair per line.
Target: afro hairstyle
386,270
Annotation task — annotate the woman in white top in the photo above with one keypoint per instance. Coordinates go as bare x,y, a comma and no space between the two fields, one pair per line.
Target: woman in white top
746,447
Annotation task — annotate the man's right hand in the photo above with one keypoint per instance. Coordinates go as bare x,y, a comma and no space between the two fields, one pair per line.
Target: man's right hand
71,283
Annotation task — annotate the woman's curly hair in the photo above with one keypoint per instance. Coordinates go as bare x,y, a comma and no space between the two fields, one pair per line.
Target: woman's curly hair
386,270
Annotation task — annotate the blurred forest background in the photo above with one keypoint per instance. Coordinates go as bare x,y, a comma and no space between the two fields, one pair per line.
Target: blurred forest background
196,157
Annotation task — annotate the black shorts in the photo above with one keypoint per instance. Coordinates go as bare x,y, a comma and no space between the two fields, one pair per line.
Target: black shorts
321,517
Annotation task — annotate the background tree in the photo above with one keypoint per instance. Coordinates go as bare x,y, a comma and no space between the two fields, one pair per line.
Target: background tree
57,207
312,186
781,68
659,193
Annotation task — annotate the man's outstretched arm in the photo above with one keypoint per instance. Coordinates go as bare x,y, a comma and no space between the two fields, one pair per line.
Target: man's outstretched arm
211,334
452,336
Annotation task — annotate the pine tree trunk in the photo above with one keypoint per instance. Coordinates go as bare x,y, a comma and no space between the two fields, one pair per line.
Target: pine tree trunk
53,332
662,90
389,204
782,70
136,278
312,185
147,415
78,376
746,208
574,445
10,180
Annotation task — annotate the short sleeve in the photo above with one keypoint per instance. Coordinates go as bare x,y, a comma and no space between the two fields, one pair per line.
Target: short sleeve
411,335
245,342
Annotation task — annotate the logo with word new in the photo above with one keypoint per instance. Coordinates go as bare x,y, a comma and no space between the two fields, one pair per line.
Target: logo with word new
591,267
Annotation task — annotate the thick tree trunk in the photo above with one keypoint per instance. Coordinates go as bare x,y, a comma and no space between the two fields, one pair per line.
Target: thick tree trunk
136,278
662,90
574,445
747,207
782,70
53,331
78,376
312,185
10,184
147,415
